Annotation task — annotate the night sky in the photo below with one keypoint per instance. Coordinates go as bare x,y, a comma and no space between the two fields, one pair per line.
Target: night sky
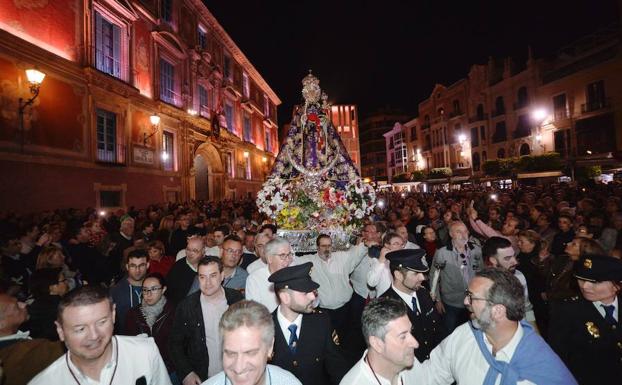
391,53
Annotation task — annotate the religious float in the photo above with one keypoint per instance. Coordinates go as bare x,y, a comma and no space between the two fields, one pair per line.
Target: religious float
314,187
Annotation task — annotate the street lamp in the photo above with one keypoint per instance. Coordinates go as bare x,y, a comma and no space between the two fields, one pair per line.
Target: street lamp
155,122
539,115
35,78
461,138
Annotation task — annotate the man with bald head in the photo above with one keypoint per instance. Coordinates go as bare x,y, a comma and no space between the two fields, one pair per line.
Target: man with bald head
456,265
261,240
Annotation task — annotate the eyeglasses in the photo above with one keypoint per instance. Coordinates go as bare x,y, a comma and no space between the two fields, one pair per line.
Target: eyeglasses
470,298
193,250
133,266
153,289
285,256
234,251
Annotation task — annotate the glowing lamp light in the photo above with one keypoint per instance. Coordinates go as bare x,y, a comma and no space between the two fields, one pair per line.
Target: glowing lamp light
493,197
539,138
264,159
462,154
102,213
539,114
34,76
366,180
461,138
192,112
246,154
154,119
164,155
381,203
418,151
589,152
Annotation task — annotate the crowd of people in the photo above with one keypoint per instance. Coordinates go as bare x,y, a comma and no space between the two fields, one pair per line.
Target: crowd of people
473,286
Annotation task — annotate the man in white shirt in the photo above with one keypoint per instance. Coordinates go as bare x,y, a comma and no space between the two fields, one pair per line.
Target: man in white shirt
278,255
479,352
247,331
379,277
498,252
390,345
332,271
403,232
85,323
260,244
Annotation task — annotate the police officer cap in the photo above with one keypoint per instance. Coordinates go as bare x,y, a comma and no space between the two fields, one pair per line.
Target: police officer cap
598,268
296,278
410,259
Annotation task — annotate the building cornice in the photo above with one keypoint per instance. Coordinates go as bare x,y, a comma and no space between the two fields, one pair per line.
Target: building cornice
235,51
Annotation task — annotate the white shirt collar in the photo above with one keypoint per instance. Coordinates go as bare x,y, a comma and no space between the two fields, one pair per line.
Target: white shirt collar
407,298
508,350
190,266
284,323
369,373
601,310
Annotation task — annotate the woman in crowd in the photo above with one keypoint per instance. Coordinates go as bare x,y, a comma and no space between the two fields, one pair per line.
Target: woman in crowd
154,316
47,286
158,261
53,257
165,232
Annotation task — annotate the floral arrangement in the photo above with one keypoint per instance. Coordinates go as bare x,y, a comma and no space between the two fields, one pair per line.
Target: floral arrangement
312,203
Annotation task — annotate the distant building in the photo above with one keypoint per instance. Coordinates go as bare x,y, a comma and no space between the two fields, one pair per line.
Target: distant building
373,146
142,102
345,119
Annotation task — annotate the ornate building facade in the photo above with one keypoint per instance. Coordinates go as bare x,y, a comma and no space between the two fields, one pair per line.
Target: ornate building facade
142,102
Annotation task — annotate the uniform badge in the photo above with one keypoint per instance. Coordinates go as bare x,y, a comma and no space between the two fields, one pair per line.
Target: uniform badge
587,263
335,337
592,329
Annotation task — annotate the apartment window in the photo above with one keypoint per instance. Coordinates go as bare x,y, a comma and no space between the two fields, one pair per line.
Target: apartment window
110,198
168,151
500,134
266,106
560,107
595,96
168,86
499,106
456,106
246,85
227,68
480,112
107,46
482,132
202,37
476,161
413,133
203,101
247,129
167,10
229,164
229,117
268,144
474,137
107,137
247,169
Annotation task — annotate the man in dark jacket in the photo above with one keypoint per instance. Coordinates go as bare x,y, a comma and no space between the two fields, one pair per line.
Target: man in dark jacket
305,342
407,270
127,293
194,342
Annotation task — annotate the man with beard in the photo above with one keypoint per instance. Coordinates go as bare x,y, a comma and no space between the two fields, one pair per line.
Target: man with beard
408,267
390,345
127,293
305,343
498,252
85,323
496,346
457,262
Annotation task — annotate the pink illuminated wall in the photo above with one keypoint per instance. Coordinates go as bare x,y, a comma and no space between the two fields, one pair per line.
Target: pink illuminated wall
50,24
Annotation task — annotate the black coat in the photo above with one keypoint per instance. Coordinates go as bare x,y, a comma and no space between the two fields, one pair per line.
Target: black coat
186,342
179,278
427,327
318,359
594,358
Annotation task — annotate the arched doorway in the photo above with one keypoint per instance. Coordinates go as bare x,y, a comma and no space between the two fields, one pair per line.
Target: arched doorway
524,149
207,174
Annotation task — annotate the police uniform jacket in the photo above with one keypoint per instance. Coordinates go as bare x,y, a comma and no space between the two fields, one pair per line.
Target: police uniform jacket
589,345
427,326
318,359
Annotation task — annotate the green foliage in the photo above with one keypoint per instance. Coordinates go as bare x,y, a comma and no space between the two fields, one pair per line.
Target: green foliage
528,163
401,178
585,173
418,176
440,172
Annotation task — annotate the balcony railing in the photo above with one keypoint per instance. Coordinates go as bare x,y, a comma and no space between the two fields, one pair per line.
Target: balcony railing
479,118
453,114
111,154
561,114
497,113
595,105
518,106
425,126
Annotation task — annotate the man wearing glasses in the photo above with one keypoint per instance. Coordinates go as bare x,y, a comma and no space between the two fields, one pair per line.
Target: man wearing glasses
127,293
497,345
231,253
278,254
182,276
